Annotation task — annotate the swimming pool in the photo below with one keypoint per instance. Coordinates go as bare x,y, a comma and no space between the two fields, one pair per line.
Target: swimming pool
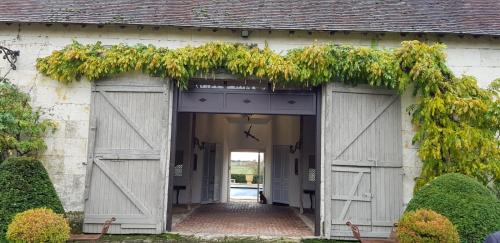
243,193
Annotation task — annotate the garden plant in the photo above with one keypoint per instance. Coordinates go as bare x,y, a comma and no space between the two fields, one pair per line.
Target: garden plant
457,122
424,226
24,184
22,131
38,225
468,204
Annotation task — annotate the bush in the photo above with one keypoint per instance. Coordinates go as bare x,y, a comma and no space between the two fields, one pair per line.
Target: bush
495,188
426,226
256,179
24,184
468,204
238,178
38,225
241,178
21,129
75,220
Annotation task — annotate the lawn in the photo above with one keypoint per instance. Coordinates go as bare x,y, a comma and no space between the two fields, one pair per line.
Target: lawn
244,169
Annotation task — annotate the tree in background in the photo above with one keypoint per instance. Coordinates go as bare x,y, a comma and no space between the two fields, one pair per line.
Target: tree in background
22,130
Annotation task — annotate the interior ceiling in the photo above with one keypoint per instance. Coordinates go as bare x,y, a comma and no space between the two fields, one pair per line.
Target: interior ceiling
243,118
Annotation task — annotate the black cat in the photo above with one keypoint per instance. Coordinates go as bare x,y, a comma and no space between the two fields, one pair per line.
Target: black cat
263,199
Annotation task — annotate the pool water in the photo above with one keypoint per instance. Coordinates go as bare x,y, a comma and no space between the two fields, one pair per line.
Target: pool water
243,193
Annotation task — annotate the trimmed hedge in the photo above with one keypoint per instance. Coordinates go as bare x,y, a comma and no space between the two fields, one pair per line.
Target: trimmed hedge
468,204
426,225
240,178
24,184
38,225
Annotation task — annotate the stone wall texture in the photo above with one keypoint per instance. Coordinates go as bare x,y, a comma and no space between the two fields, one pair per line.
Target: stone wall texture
69,105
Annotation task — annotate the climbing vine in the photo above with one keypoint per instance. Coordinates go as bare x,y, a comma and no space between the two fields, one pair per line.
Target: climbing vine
457,122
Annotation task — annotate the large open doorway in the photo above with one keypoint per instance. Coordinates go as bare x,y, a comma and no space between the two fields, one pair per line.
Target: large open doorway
252,164
247,170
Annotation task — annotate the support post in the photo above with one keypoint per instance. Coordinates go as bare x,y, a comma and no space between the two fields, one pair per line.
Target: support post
189,170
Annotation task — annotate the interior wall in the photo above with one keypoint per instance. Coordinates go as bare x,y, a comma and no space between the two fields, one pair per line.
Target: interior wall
226,130
308,149
287,132
182,144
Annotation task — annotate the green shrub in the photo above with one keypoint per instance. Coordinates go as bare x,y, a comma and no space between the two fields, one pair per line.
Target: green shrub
426,225
495,188
256,179
38,225
468,204
75,220
22,131
24,184
238,178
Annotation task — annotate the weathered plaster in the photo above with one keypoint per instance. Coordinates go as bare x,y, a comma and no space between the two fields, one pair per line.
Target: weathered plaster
69,105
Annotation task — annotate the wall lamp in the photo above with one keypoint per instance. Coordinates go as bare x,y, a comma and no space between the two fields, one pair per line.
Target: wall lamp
197,143
10,56
245,33
297,146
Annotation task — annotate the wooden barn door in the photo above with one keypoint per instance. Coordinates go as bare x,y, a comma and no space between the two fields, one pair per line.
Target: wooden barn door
127,154
363,155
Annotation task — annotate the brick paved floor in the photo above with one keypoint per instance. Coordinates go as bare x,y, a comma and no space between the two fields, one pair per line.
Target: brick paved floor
243,219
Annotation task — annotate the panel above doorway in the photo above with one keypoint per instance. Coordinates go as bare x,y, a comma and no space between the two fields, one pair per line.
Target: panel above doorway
247,101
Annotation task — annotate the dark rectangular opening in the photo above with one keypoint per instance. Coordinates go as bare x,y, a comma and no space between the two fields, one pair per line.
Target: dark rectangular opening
306,166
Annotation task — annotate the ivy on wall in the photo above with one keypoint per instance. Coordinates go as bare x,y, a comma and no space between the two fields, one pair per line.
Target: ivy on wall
457,122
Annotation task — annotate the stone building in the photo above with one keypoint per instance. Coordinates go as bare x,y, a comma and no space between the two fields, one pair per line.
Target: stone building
118,140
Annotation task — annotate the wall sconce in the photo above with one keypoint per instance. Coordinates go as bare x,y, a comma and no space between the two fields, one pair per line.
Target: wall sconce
10,56
297,146
245,33
197,143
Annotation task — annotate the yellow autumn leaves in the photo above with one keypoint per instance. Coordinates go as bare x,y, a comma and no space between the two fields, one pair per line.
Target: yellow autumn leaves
456,120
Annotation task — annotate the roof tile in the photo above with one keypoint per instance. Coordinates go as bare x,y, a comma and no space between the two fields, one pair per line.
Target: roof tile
477,17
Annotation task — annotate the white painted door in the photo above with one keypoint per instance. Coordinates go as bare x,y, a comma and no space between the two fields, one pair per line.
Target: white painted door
281,172
127,154
218,172
363,159
208,182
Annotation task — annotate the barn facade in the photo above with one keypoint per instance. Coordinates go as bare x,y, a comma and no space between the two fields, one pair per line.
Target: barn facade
126,146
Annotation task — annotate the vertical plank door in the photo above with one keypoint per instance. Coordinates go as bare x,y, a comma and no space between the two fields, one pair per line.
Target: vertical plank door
363,157
127,156
280,173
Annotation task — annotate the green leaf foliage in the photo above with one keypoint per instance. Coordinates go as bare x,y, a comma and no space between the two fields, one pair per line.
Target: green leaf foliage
21,129
38,225
426,226
24,184
468,204
456,131
309,66
457,122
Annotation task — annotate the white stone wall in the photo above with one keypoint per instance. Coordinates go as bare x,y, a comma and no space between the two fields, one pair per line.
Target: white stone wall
69,105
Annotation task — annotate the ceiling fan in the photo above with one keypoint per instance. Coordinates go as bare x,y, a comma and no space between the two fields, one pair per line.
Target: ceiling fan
248,133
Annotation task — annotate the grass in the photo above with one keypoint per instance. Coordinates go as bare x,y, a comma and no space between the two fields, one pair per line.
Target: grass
243,169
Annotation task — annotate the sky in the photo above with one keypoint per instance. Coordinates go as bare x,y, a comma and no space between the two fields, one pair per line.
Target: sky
246,156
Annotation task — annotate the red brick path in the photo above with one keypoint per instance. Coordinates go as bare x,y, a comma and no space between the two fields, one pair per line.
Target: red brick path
243,219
